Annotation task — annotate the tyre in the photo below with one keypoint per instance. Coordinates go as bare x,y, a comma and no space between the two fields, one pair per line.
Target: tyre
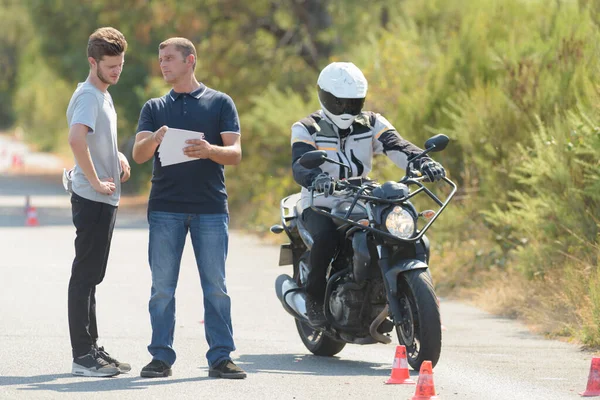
314,340
419,326
317,342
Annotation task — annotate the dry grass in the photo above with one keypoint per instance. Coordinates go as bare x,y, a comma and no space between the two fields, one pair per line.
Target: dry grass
559,305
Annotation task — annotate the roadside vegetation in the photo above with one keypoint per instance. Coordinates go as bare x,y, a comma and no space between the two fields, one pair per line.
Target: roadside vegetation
515,84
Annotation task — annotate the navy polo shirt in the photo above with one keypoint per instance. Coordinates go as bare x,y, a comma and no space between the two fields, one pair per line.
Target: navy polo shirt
194,187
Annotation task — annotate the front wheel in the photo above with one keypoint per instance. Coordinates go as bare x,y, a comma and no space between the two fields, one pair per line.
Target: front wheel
418,326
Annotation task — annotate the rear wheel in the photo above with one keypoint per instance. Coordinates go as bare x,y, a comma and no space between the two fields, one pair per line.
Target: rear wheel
315,341
418,326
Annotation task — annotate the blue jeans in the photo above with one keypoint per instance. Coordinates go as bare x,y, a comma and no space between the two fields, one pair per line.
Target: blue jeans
210,238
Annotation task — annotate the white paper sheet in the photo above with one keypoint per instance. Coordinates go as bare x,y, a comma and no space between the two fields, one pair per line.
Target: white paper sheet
170,150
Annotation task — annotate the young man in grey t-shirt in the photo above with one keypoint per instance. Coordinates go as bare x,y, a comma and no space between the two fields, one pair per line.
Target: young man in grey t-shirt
96,187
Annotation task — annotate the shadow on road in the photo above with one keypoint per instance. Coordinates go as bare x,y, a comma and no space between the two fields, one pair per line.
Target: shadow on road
293,364
304,364
119,383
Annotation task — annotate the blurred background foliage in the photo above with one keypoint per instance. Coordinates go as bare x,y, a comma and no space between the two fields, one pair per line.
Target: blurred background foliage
514,83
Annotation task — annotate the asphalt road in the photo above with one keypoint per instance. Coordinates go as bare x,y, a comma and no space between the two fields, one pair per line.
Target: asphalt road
483,357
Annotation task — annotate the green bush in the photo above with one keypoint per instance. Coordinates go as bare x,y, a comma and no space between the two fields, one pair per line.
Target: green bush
513,83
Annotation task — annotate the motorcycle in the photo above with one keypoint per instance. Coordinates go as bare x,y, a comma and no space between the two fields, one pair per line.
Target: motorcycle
379,278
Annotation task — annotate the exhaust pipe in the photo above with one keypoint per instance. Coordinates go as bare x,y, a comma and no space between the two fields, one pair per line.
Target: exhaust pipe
375,324
291,296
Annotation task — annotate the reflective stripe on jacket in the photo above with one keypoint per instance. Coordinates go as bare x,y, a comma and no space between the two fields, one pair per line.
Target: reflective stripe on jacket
370,134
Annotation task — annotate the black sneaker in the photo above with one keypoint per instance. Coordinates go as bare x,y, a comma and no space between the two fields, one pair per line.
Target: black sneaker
314,312
123,367
226,369
156,369
92,364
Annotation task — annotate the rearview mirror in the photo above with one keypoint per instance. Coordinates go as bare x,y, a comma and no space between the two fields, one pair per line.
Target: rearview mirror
437,142
313,159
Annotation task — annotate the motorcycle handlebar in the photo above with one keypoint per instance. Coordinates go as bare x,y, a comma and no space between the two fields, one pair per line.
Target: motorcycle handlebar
407,181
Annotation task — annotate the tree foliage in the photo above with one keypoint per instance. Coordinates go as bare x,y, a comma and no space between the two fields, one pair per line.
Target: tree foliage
14,34
514,84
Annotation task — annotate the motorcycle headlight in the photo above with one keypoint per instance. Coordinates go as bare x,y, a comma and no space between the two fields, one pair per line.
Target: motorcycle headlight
399,222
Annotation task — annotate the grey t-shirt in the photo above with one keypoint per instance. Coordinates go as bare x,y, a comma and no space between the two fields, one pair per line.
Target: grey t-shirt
94,109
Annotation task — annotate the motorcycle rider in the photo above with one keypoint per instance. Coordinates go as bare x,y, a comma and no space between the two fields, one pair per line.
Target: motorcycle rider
350,136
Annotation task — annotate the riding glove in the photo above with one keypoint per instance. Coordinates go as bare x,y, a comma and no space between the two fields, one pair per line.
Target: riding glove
432,170
323,183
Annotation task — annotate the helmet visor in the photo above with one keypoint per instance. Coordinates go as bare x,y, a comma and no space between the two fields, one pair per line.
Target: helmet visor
339,106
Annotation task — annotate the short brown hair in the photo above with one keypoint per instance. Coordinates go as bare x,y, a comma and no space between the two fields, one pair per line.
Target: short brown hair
183,45
106,41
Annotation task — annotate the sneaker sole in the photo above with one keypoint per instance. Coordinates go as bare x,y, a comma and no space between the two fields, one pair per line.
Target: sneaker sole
153,374
82,371
219,374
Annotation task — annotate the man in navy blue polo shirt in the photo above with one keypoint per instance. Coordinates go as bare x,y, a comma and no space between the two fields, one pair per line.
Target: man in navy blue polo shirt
189,196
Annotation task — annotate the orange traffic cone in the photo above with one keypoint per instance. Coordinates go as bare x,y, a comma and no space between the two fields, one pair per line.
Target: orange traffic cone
425,388
593,385
32,219
400,373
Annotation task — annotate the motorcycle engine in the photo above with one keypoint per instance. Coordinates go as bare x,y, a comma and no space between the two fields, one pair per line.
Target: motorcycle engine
346,304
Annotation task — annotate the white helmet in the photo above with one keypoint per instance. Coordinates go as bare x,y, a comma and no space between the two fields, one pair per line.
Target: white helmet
342,90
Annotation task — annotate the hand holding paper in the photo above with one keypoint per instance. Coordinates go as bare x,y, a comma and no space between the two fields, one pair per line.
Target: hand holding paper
159,134
197,148
171,149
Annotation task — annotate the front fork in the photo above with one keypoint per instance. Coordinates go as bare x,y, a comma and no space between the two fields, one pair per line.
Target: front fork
384,265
